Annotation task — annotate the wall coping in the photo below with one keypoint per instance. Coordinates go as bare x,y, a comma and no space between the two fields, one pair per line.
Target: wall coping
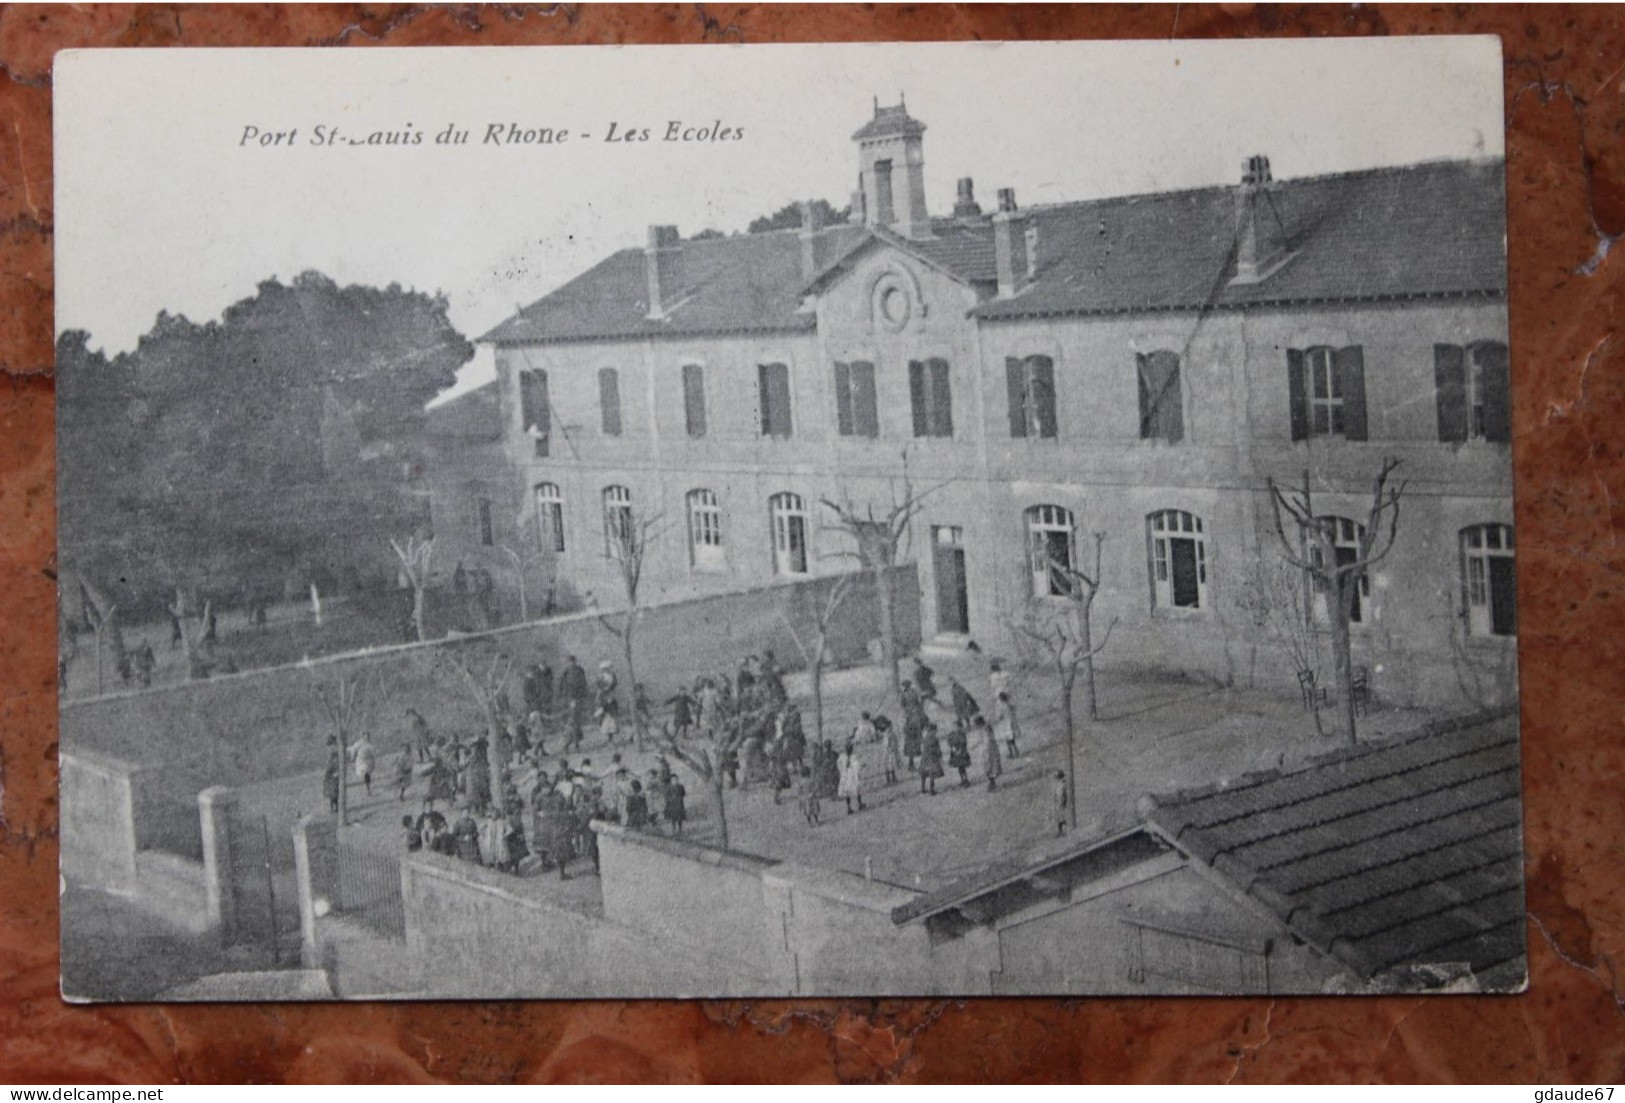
66,705
98,760
698,853
505,885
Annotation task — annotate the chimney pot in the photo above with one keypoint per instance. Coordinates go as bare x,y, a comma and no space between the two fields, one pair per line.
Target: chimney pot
966,206
1007,200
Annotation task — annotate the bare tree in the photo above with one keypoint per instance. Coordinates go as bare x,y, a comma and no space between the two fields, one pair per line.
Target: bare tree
521,563
627,537
192,647
1312,547
100,612
880,537
1278,598
487,684
415,556
1065,639
707,761
823,617
341,705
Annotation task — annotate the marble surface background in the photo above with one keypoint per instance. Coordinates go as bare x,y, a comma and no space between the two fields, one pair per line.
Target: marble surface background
1565,89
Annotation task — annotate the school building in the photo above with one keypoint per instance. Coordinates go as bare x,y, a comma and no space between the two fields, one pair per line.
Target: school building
1137,367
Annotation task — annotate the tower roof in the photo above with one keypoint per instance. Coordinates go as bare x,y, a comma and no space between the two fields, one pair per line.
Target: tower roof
890,122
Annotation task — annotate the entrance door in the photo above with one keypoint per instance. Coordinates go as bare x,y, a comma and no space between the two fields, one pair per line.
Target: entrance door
953,607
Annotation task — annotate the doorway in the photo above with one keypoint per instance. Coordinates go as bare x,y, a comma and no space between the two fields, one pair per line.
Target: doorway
953,605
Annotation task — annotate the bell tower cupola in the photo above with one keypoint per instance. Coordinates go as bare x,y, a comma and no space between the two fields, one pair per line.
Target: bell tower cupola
891,171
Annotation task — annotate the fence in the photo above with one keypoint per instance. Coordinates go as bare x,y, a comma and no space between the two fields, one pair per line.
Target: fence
369,889
263,906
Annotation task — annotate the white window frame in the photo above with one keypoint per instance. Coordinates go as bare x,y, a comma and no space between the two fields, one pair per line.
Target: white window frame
1043,520
549,502
1320,366
706,551
1164,528
1349,534
1479,544
617,501
786,508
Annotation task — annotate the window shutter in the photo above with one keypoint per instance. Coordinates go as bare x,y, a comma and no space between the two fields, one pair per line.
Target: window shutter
1142,374
942,399
1349,364
1497,382
763,400
775,388
694,399
1297,394
1170,407
609,401
865,416
1015,379
1041,378
843,399
1450,389
916,395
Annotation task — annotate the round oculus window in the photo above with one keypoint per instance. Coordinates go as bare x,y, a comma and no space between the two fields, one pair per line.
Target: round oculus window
895,306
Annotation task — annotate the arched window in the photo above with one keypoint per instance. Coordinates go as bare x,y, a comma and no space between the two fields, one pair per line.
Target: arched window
1348,539
1162,405
1488,582
789,533
1050,553
549,518
618,532
705,531
1178,559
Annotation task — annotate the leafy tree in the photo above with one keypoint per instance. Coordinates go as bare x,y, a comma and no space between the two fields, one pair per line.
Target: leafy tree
789,217
215,458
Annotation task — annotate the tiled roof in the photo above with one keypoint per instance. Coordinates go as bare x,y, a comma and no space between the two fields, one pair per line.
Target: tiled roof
888,122
1436,228
1433,229
1401,853
743,283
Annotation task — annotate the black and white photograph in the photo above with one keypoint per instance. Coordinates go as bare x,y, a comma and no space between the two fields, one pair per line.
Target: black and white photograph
801,520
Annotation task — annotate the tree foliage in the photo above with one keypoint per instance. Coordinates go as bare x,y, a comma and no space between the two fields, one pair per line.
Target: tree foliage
224,456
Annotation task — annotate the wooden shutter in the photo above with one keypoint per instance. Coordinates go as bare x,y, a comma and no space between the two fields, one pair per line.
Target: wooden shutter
942,399
1349,363
1041,381
773,381
865,413
1450,391
843,399
1142,373
1297,394
916,396
694,399
1170,404
609,401
1015,380
1496,381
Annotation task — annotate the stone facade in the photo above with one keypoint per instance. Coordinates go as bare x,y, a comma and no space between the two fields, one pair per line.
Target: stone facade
965,302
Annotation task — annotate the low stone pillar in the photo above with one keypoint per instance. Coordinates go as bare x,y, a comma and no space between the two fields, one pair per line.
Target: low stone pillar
215,806
315,865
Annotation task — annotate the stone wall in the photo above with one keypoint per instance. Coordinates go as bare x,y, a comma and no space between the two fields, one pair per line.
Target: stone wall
243,728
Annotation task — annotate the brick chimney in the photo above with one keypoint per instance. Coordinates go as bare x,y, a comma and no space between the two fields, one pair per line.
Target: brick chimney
1260,236
965,206
660,260
1011,241
811,223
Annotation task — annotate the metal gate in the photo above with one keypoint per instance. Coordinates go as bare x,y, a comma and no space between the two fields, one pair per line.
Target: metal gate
264,908
369,889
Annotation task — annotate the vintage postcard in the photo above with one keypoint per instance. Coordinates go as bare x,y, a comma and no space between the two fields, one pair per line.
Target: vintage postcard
816,520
